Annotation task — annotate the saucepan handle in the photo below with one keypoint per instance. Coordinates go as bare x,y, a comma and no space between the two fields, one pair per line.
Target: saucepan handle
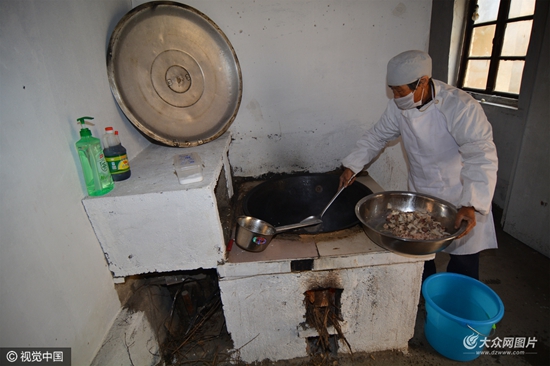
309,222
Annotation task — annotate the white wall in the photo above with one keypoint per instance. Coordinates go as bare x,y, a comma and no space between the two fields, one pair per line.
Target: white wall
55,287
526,216
314,78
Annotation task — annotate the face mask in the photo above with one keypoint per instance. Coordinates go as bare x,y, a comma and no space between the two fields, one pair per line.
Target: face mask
407,102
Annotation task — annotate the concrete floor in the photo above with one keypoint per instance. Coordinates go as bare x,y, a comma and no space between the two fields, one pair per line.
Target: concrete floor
520,276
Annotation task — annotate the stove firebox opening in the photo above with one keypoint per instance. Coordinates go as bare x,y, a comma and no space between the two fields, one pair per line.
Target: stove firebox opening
323,313
185,310
315,347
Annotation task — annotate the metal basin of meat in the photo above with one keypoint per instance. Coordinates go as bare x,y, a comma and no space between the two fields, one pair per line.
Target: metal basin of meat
290,199
373,209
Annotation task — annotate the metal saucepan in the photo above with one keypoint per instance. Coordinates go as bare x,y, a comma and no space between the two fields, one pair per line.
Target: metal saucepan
254,235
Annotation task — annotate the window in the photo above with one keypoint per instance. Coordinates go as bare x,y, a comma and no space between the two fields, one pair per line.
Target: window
495,46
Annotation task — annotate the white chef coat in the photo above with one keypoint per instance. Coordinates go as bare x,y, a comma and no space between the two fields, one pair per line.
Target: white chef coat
449,145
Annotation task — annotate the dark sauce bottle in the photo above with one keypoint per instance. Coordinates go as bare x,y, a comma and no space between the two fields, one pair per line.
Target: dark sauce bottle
115,155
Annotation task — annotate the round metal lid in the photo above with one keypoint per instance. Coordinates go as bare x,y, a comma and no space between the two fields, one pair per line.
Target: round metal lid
174,74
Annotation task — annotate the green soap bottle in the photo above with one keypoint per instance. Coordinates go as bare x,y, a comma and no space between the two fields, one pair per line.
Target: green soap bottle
96,171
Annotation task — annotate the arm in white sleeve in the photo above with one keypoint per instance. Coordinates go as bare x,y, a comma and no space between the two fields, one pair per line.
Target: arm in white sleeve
373,141
474,135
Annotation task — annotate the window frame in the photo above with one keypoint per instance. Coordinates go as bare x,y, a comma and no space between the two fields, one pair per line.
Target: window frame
488,94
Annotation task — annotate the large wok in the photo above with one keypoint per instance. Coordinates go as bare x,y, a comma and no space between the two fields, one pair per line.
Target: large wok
290,199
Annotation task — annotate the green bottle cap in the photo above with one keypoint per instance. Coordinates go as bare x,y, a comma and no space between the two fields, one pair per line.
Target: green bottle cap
85,132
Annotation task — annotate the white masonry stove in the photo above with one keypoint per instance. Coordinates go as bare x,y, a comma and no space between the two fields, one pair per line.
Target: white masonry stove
267,296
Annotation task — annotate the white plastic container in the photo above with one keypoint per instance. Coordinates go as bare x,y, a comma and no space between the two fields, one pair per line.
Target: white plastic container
188,167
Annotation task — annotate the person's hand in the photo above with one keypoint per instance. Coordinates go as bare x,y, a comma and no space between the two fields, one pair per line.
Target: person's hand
465,214
345,177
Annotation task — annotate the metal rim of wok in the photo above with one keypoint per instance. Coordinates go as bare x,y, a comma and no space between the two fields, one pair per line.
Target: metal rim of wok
401,245
174,74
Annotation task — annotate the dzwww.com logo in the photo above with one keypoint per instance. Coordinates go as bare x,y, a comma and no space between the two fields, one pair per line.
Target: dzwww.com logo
475,341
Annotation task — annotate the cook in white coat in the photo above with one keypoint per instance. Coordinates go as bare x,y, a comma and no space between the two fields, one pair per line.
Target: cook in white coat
450,149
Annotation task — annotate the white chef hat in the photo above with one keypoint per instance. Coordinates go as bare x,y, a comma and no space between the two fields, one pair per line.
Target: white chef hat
408,67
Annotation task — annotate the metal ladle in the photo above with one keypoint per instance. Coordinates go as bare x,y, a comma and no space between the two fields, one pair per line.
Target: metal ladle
320,217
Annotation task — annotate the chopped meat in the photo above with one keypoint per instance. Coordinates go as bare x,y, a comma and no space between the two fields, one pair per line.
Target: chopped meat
414,225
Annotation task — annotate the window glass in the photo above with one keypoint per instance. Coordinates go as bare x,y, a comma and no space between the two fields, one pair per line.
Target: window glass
516,38
476,74
487,11
482,40
509,76
519,8
496,42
